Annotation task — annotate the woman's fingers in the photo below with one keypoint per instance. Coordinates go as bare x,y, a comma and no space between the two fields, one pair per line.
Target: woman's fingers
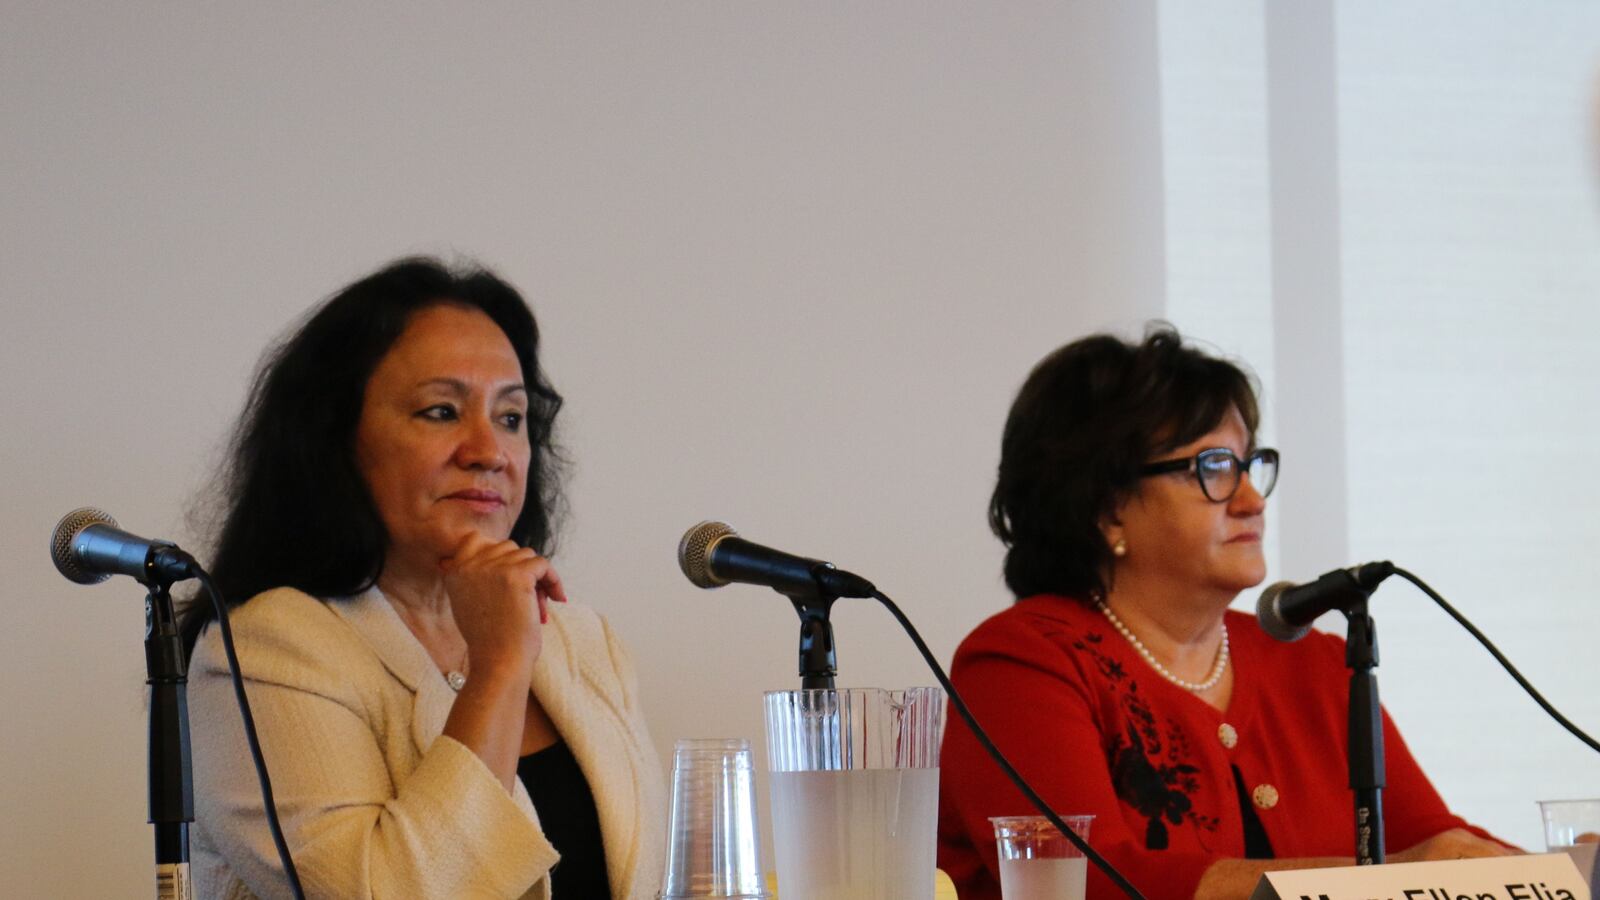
500,584
546,581
466,549
550,586
474,548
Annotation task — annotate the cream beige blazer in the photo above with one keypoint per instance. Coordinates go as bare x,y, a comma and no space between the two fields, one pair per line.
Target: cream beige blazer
375,802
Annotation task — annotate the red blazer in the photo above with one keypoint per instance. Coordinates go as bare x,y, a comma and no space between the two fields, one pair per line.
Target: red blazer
1095,730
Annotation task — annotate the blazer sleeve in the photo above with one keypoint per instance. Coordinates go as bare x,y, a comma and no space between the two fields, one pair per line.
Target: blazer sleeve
355,828
1033,700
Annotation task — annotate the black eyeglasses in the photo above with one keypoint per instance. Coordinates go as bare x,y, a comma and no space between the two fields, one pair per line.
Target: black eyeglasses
1218,471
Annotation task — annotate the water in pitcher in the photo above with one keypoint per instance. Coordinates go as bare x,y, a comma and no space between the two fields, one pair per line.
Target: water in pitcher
1043,879
861,834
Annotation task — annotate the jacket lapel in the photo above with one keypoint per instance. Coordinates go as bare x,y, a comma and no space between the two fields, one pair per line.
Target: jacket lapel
579,690
374,618
565,674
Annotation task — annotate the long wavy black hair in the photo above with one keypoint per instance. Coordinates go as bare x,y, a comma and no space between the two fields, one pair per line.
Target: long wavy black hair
1088,417
296,510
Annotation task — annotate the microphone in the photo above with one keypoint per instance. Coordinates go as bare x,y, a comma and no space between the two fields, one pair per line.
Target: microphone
88,547
712,554
1286,610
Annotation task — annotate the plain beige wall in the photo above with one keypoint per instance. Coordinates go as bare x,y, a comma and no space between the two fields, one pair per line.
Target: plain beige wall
791,262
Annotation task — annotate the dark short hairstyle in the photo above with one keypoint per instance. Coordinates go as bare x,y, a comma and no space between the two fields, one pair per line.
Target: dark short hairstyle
296,509
1089,415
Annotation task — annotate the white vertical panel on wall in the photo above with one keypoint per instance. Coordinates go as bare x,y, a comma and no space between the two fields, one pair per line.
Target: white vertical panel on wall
1214,165
1471,274
1301,91
1215,169
1433,265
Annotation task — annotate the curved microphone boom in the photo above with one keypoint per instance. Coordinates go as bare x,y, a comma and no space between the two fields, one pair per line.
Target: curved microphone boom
88,547
711,554
1286,610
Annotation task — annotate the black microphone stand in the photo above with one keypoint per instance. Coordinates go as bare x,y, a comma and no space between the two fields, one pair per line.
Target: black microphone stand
171,784
1366,732
817,663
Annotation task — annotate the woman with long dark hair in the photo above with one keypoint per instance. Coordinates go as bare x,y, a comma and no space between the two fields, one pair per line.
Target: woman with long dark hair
438,721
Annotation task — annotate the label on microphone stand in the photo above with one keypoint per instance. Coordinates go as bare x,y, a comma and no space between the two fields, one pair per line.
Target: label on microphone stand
1549,876
172,882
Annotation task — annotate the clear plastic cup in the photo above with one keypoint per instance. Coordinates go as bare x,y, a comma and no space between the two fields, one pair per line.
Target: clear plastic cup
1568,823
1573,827
855,791
1037,861
713,840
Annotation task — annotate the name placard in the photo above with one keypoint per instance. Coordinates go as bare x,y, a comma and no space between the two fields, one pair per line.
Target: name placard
1549,876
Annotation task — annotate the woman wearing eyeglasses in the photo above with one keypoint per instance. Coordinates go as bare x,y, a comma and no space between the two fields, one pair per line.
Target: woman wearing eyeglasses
1132,499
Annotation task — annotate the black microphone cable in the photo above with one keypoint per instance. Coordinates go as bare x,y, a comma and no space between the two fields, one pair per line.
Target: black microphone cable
1500,658
999,758
256,756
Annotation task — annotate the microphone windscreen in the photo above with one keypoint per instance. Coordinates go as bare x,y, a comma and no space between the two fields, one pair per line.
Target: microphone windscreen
1271,617
694,553
68,528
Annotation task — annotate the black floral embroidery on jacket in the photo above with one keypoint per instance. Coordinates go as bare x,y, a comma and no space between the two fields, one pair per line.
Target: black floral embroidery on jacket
1149,762
1157,792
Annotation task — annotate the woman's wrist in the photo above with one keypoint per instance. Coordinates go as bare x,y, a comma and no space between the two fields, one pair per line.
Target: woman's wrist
513,670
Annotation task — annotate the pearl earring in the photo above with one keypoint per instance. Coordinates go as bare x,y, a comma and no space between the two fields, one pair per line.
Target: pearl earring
1120,548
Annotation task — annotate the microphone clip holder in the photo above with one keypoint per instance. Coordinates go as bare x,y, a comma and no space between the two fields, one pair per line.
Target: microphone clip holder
818,664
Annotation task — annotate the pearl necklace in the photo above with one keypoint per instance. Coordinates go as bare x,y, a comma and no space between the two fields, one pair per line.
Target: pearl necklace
1197,687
